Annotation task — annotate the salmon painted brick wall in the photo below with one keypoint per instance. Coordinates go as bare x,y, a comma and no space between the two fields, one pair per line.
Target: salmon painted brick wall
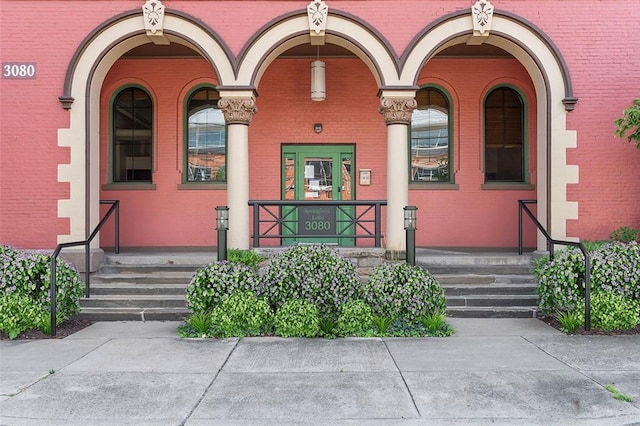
458,217
598,41
164,215
286,115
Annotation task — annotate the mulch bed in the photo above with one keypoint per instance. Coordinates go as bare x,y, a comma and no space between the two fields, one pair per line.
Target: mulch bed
63,330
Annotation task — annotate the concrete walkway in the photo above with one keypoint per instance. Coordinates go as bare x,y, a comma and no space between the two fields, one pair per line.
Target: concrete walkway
504,371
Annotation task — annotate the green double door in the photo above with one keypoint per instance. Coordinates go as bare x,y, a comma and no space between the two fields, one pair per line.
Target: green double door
320,173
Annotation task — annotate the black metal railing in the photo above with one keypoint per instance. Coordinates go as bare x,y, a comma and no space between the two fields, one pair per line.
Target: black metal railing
280,219
551,242
115,206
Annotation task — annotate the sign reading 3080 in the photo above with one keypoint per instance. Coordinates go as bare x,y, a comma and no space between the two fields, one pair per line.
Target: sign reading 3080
19,70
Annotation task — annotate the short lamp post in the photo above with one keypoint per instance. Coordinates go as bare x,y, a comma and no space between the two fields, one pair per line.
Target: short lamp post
410,227
222,225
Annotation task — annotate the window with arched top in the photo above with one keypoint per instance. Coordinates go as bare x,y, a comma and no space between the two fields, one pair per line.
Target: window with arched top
206,138
132,136
504,137
430,144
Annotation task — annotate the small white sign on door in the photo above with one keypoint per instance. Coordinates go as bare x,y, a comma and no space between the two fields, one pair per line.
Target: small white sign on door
309,171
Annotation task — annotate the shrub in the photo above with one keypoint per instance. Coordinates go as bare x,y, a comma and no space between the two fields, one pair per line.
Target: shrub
241,314
612,311
615,267
560,281
436,325
316,274
18,313
628,125
250,258
327,327
297,318
200,322
28,274
355,318
625,234
382,323
570,320
403,291
211,284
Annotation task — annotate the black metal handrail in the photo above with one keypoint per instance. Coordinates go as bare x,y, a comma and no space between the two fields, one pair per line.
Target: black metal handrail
551,242
115,206
278,221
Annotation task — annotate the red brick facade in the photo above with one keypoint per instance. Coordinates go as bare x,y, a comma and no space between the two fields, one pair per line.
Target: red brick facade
597,42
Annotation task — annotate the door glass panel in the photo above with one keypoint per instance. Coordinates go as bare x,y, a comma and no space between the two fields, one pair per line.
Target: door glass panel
318,178
289,178
346,178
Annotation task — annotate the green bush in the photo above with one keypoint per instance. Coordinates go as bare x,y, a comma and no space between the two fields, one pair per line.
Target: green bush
561,281
201,323
28,274
18,313
570,320
403,292
628,125
355,318
246,257
316,274
613,311
615,267
212,283
241,314
436,325
625,234
297,318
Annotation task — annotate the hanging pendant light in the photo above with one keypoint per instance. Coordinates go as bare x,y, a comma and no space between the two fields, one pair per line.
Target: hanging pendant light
318,90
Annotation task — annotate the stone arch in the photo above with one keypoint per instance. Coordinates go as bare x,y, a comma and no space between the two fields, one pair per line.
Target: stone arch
85,75
553,90
293,29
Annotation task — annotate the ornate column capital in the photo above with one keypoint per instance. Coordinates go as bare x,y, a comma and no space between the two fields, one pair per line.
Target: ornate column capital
238,110
397,110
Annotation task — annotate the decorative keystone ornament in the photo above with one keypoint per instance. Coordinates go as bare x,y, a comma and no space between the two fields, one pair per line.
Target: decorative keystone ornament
482,12
153,13
317,12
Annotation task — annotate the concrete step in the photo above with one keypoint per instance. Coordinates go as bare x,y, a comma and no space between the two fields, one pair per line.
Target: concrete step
491,312
143,277
152,286
133,314
134,301
493,300
445,279
148,269
477,269
137,289
526,289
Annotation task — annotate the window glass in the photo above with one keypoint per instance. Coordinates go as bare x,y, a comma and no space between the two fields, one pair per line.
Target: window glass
430,153
504,136
132,136
206,139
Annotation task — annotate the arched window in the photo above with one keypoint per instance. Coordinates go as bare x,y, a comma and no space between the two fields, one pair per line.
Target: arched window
430,137
206,140
132,136
504,136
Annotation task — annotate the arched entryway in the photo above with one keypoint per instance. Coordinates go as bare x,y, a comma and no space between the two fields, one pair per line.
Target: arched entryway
396,78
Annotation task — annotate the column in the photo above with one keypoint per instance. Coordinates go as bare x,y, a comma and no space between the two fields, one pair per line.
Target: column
396,111
238,112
